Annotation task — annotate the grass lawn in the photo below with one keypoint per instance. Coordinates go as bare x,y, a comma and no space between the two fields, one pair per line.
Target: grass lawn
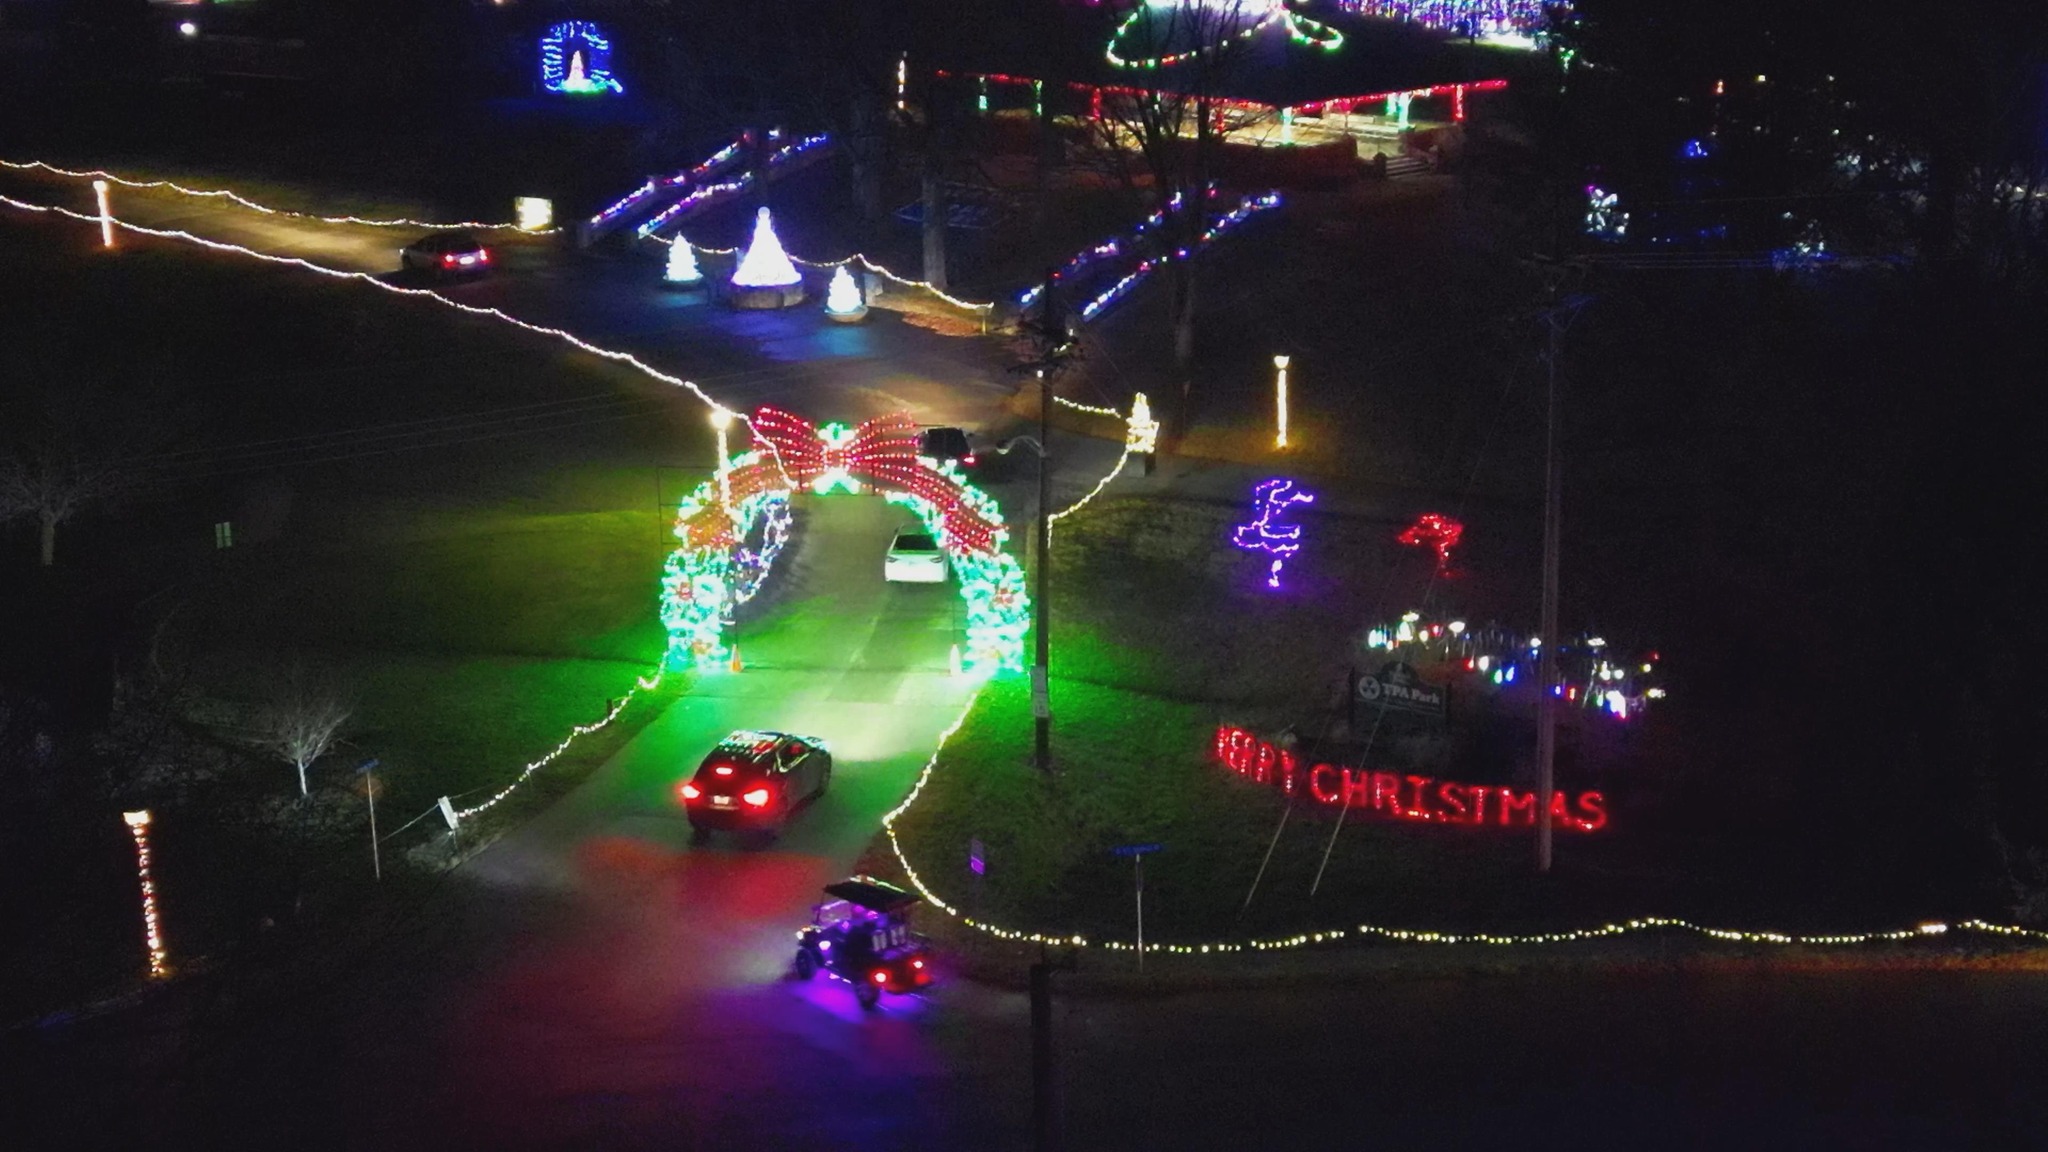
414,521
1161,634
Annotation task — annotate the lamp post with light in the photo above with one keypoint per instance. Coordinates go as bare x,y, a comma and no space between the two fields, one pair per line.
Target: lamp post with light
1280,400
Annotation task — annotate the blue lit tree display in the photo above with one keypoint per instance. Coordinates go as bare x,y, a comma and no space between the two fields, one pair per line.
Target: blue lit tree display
576,57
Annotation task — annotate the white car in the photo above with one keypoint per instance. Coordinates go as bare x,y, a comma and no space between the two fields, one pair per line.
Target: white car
915,558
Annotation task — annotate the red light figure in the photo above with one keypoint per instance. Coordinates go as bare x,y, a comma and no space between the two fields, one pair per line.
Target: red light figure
1437,531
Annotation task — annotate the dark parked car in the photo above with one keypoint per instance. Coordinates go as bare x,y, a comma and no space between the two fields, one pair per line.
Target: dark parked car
946,444
754,782
446,254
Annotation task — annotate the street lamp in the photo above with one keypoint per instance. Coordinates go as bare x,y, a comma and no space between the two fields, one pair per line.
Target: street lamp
1041,690
721,419
1280,400
99,191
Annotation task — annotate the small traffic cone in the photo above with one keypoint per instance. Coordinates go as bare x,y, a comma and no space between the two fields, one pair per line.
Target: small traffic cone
736,657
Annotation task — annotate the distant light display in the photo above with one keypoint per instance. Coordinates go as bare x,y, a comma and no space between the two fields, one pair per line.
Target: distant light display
1514,22
1206,26
576,58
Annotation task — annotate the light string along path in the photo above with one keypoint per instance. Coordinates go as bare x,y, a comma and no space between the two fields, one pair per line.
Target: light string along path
235,197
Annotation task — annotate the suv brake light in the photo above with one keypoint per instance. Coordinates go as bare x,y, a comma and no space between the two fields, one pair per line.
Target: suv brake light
758,798
691,791
881,977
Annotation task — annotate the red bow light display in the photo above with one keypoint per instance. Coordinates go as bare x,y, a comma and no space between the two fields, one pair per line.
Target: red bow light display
1433,530
882,451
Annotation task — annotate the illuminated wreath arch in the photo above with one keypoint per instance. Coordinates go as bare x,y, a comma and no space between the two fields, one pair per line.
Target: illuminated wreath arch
733,526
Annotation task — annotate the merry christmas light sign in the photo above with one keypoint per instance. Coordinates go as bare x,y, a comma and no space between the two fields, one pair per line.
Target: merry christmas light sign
1421,799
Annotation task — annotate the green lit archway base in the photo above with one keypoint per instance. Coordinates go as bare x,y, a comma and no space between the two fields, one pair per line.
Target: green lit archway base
735,524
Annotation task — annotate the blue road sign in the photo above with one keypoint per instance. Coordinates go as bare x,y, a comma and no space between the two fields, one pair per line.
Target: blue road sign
1135,849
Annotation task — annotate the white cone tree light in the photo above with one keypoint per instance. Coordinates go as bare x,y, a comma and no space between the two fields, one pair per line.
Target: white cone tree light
682,269
765,277
843,298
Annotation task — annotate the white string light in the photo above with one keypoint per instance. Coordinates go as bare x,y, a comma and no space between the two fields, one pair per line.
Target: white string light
366,278
639,683
224,194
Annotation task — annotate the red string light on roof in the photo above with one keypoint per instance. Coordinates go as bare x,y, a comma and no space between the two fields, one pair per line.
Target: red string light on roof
1436,531
882,451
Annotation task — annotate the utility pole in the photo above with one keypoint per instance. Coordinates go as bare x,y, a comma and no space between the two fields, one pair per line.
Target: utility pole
1546,656
1556,317
1041,671
1055,350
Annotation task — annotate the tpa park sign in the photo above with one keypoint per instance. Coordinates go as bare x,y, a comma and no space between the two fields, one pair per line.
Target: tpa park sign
1396,687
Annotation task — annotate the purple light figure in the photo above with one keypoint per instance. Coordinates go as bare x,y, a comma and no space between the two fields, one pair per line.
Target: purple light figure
1272,499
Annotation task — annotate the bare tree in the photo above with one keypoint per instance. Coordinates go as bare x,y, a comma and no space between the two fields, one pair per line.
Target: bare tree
53,476
301,721
1171,133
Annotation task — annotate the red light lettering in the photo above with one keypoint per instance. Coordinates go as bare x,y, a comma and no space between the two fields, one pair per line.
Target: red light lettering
1561,812
1420,810
1386,791
1452,797
1356,791
1318,789
1594,805
1510,805
1268,756
1422,798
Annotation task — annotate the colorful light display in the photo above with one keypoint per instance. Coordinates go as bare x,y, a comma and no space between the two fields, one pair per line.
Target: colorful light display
1437,532
1126,246
1592,674
681,269
715,163
1221,23
576,59
765,264
1419,799
152,925
705,195
1604,218
1272,499
1508,22
703,580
